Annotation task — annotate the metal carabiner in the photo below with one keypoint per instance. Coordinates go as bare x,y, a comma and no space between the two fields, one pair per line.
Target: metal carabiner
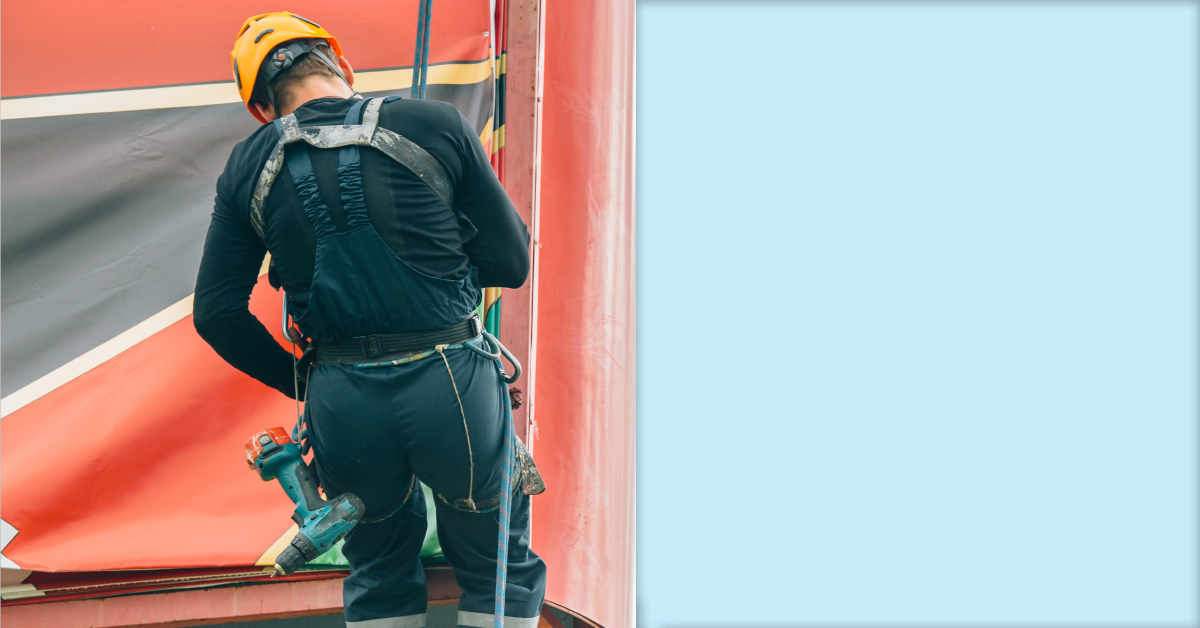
500,350
286,336
480,352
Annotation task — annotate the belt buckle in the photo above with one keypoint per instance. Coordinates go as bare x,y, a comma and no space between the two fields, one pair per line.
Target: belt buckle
371,346
476,325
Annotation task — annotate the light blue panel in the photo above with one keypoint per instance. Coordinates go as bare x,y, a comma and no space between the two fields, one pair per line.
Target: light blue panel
917,314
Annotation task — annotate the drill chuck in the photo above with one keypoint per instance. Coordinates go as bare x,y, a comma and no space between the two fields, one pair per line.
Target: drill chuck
319,532
289,560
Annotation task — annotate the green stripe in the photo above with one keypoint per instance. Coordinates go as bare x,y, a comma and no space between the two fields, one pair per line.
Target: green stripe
492,324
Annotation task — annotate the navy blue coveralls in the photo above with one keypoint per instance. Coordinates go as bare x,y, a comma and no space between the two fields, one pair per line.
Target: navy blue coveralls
376,430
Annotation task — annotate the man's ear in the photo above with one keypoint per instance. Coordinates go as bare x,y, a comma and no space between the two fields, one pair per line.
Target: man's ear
268,113
347,70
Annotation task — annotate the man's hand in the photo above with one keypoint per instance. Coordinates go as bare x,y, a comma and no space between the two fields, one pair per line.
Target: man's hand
298,338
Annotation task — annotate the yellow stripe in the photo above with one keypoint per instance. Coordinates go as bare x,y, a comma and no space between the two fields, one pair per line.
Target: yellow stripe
268,557
218,93
448,74
498,140
487,133
503,63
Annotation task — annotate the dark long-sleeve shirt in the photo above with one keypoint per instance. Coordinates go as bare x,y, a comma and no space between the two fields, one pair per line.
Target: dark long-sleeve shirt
408,215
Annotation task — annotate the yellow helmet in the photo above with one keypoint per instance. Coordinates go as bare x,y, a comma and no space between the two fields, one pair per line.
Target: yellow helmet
287,36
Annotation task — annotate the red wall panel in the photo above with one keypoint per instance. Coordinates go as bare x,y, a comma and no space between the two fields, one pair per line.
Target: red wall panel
520,169
76,45
586,361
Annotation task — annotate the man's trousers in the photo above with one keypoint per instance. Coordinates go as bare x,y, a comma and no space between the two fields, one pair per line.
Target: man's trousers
372,430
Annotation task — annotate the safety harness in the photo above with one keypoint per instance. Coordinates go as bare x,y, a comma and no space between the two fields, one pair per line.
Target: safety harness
369,133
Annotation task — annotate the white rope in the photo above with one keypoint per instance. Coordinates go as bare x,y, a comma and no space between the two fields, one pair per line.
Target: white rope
441,349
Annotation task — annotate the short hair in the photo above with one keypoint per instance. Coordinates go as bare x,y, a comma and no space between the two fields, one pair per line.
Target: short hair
307,65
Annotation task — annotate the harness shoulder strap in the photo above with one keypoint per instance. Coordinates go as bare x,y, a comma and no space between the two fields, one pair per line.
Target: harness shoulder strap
354,116
418,160
300,166
349,171
369,133
285,128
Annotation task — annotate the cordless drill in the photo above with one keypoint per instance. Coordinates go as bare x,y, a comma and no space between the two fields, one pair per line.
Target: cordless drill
322,522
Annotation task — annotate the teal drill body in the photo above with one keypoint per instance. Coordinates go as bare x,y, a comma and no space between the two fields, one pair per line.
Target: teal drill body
322,522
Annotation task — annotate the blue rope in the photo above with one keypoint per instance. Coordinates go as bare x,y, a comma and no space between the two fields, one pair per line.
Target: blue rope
508,464
421,51
425,50
506,473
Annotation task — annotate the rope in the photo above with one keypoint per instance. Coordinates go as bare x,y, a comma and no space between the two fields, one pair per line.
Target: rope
425,49
421,51
506,477
420,78
506,472
441,349
298,432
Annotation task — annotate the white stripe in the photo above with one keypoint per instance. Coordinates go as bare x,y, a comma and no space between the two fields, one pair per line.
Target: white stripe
7,533
224,93
407,621
488,620
119,100
90,360
20,591
104,352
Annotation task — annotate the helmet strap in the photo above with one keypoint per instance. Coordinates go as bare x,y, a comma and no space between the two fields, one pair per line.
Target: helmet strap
333,66
271,97
312,49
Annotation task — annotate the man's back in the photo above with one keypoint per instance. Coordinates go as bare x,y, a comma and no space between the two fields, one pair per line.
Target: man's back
413,221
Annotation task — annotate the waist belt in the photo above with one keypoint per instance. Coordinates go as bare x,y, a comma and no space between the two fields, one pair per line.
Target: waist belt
384,347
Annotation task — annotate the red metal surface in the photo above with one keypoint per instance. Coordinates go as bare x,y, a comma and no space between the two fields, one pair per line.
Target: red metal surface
520,158
185,608
195,607
92,584
584,405
79,45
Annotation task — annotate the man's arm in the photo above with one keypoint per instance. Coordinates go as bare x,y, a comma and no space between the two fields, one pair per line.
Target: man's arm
229,269
501,249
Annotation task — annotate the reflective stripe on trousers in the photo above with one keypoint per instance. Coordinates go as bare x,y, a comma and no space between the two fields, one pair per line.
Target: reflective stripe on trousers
487,620
407,621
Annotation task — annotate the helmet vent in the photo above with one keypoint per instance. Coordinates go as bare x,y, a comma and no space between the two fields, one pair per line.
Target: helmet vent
264,33
306,20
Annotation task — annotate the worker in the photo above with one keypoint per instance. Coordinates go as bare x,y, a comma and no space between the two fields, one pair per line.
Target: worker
382,270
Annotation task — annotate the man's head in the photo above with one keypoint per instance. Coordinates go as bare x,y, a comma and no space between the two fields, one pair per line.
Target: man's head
281,60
